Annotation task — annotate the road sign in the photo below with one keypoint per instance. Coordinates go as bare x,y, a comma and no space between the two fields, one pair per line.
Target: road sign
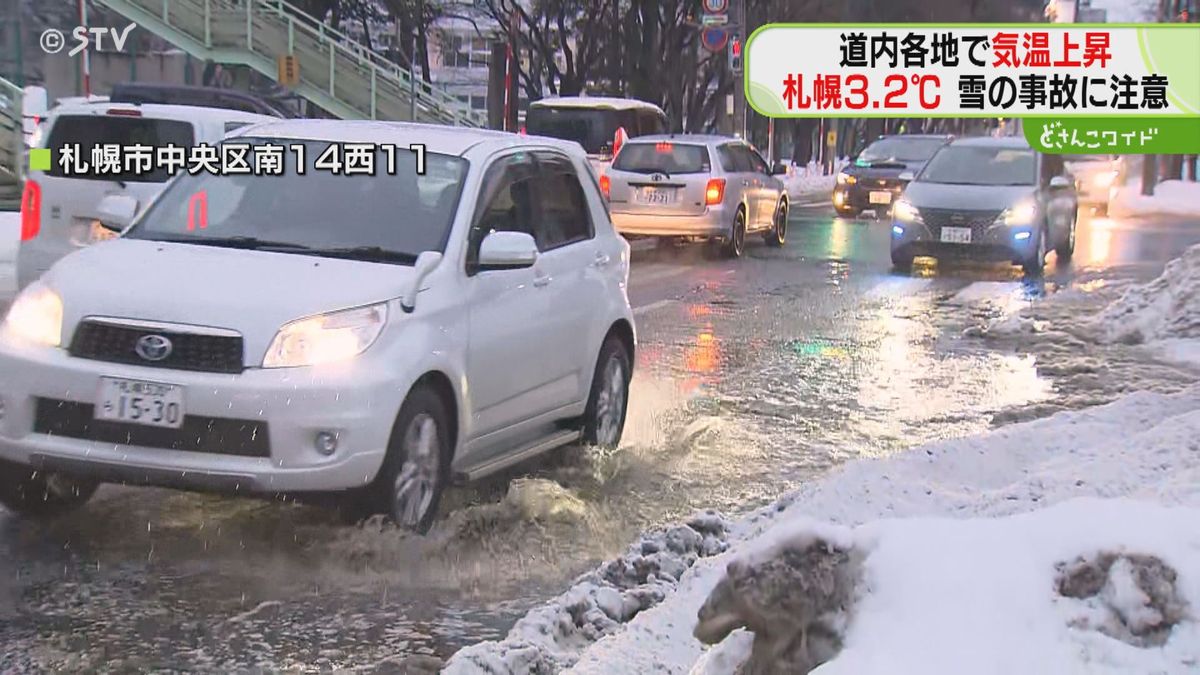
831,138
714,19
715,6
714,39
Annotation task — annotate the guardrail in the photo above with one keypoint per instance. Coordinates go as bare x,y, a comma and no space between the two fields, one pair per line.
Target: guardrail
12,145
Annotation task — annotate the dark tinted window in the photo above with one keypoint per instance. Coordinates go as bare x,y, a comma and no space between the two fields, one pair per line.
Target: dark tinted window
592,128
563,217
650,122
88,131
981,165
901,149
755,160
730,160
507,203
665,157
403,214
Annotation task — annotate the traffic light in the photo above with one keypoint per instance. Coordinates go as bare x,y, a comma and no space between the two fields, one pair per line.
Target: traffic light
735,55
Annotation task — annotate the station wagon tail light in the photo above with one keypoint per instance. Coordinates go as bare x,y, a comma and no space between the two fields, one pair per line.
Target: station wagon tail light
714,192
124,112
605,186
31,210
619,139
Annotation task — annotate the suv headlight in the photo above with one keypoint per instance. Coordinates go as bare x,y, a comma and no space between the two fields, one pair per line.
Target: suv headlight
36,316
1022,213
846,179
326,338
905,212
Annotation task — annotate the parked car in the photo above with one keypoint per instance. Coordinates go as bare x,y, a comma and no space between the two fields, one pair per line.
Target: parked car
595,122
1095,178
205,97
714,187
871,182
990,198
254,334
59,209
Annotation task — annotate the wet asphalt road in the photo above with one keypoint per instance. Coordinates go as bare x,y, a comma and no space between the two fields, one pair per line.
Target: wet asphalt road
753,376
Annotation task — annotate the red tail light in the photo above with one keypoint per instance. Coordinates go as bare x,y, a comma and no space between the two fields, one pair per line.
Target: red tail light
31,210
619,139
663,148
522,131
605,186
714,192
122,112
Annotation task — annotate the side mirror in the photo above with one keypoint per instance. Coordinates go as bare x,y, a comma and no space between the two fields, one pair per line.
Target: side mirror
779,169
1059,183
907,176
116,212
507,251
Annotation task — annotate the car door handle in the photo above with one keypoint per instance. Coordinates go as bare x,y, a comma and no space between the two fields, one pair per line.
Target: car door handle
542,281
601,260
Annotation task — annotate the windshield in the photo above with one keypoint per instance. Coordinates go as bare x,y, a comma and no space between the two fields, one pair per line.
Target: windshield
668,158
593,128
377,216
901,149
1087,158
89,131
981,165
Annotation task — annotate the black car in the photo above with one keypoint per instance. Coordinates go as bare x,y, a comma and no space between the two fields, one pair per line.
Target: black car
208,97
871,182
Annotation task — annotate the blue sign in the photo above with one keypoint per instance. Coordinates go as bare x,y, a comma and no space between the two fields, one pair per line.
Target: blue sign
714,38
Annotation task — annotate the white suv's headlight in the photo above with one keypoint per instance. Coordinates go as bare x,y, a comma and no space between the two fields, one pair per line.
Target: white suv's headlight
326,338
36,316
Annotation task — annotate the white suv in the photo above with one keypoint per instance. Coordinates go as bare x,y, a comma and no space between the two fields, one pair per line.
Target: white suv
378,335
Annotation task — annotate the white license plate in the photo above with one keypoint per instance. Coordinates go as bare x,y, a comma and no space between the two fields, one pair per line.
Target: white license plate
152,404
956,235
880,197
656,196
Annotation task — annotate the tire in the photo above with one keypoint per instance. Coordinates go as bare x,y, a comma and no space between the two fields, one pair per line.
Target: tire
1066,250
28,492
735,246
777,236
1036,264
902,260
604,417
845,213
416,470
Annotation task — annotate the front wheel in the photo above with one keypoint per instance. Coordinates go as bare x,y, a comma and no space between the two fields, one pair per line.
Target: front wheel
29,492
1036,264
1066,249
409,486
608,401
901,261
778,234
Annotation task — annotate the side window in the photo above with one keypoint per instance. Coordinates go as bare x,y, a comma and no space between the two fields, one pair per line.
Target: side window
563,216
506,206
1052,165
754,161
650,123
729,160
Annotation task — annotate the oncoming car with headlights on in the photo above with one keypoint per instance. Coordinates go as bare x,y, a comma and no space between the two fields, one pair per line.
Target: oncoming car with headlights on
375,336
987,198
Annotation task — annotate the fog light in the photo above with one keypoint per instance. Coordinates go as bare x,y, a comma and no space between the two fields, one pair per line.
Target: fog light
1022,236
898,231
326,442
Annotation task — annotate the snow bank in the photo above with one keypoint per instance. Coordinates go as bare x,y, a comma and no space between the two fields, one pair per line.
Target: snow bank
950,565
1166,310
809,181
1171,197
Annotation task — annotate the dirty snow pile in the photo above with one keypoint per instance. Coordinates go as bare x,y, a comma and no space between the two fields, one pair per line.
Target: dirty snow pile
550,638
807,181
1171,197
1070,544
1164,313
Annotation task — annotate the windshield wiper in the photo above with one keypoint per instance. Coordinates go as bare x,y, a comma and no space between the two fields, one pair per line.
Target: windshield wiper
249,243
368,253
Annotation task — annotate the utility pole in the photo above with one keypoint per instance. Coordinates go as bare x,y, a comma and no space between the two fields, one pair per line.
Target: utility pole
739,86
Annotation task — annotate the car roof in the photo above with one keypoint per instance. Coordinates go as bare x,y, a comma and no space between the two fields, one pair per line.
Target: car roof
594,102
704,139
437,138
944,137
992,142
162,111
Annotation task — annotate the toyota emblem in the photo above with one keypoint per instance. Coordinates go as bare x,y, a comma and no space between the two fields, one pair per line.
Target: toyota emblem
153,347
658,178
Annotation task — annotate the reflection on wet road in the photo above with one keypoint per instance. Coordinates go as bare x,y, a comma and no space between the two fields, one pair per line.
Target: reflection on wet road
753,376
